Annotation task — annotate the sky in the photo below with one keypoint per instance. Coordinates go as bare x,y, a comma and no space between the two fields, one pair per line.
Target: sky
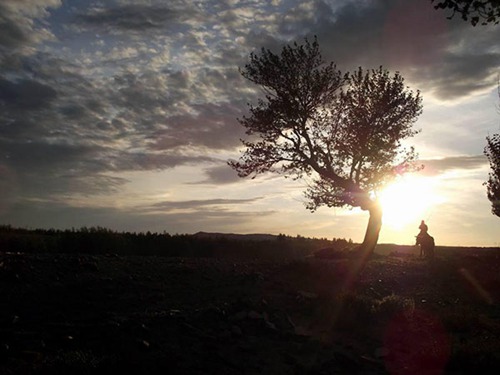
123,114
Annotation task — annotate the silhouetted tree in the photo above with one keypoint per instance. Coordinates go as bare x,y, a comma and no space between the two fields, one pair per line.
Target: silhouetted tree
486,11
492,151
343,131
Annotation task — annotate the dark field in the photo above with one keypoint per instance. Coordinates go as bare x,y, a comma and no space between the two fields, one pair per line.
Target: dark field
104,314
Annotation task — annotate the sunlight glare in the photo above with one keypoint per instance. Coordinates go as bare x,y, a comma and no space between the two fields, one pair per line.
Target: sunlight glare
408,200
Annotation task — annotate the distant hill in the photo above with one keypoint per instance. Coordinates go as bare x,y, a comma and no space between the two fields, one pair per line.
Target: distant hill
234,236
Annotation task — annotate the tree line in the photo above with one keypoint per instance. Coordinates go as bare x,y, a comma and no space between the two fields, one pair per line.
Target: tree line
100,240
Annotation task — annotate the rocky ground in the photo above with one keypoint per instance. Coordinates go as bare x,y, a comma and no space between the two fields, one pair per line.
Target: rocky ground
80,314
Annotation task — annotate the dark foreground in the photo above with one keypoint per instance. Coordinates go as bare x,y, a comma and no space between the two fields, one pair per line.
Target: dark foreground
71,314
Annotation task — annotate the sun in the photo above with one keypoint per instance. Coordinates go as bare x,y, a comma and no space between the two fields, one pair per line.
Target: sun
408,200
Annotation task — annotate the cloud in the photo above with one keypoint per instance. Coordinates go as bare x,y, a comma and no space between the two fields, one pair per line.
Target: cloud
58,119
214,127
433,167
18,28
199,204
221,174
133,17
460,75
446,58
25,94
12,33
58,214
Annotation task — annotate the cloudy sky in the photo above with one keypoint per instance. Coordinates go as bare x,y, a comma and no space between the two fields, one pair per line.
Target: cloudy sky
123,113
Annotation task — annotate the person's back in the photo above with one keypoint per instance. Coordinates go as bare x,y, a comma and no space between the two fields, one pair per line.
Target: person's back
425,240
423,227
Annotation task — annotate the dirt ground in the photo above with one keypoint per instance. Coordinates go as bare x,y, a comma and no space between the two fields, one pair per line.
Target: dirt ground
81,314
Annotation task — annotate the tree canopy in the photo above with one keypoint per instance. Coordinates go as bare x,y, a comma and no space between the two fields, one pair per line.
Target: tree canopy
492,152
475,11
342,131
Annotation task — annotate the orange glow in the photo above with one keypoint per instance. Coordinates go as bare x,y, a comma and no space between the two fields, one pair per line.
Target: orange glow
408,200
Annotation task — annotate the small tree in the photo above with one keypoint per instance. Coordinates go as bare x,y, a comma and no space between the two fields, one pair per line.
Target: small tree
486,11
492,152
342,131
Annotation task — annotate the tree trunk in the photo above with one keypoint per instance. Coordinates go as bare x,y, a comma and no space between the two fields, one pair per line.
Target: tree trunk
372,230
360,198
367,247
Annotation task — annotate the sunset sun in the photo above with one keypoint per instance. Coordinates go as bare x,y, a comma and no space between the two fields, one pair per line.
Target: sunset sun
408,200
